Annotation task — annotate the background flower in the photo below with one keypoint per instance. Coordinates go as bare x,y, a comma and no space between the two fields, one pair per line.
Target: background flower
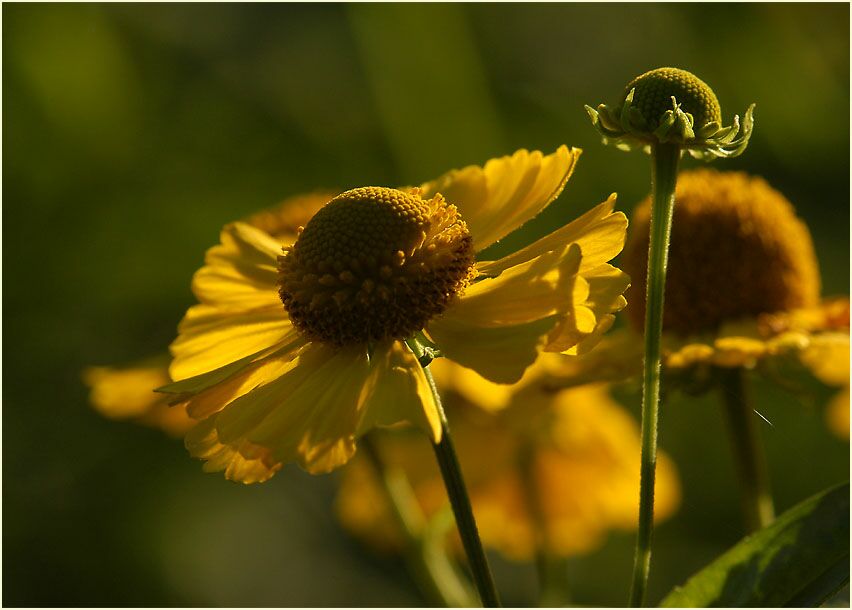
548,472
132,133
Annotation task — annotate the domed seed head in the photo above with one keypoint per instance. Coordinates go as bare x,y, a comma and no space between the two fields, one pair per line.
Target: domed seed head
375,263
737,250
654,91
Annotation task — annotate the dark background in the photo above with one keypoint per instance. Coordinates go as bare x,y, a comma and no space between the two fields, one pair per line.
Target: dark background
132,133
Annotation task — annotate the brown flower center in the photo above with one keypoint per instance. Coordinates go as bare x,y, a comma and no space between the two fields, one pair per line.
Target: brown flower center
737,250
375,263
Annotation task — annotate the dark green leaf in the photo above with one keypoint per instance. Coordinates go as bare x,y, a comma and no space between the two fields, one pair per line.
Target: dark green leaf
799,560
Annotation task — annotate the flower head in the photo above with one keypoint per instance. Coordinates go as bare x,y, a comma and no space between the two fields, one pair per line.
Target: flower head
743,291
737,250
560,471
671,105
293,353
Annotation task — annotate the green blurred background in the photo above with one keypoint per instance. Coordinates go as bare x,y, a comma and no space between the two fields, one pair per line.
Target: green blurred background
132,133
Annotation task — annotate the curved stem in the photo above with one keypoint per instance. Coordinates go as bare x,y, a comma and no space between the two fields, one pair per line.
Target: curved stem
663,181
758,507
459,500
431,567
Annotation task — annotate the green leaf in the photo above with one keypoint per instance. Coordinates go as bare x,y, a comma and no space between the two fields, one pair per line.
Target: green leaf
799,560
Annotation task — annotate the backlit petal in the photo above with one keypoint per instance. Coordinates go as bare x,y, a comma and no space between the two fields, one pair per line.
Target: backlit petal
530,291
211,338
203,442
500,354
241,272
600,233
397,390
498,198
310,414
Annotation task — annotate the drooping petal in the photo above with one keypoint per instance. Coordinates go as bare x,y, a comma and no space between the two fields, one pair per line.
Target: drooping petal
259,372
203,442
397,390
240,272
211,338
470,384
600,233
500,354
310,414
498,198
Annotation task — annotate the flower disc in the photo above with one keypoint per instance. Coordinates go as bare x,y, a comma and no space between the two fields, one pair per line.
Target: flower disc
654,91
375,263
737,250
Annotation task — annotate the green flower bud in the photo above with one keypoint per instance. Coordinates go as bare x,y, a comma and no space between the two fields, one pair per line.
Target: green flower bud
669,105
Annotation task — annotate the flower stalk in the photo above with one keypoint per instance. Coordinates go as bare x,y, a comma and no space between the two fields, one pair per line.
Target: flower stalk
448,462
758,507
429,564
665,159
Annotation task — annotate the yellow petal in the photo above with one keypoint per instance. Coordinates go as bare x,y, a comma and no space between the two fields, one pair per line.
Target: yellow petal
827,356
128,393
837,414
497,199
211,338
592,316
203,442
470,384
397,390
124,393
500,354
530,291
733,352
283,220
216,397
310,414
600,233
241,272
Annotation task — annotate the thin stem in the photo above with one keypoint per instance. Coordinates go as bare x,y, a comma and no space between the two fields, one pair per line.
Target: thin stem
663,181
459,500
431,567
758,507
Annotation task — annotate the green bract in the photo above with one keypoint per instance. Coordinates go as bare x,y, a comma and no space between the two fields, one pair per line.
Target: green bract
669,105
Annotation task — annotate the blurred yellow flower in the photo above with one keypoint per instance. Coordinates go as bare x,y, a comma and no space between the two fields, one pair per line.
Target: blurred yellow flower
742,291
547,472
128,392
292,357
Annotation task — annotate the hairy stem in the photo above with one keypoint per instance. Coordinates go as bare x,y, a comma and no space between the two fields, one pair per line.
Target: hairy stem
459,500
663,181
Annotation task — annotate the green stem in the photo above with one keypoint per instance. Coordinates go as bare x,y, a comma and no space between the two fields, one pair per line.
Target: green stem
663,181
459,500
430,566
758,507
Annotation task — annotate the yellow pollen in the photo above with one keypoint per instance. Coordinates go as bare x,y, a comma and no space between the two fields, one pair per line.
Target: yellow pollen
737,250
654,91
375,263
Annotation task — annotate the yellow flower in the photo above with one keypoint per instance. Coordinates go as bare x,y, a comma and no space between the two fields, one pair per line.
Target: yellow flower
292,357
129,392
549,472
743,290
